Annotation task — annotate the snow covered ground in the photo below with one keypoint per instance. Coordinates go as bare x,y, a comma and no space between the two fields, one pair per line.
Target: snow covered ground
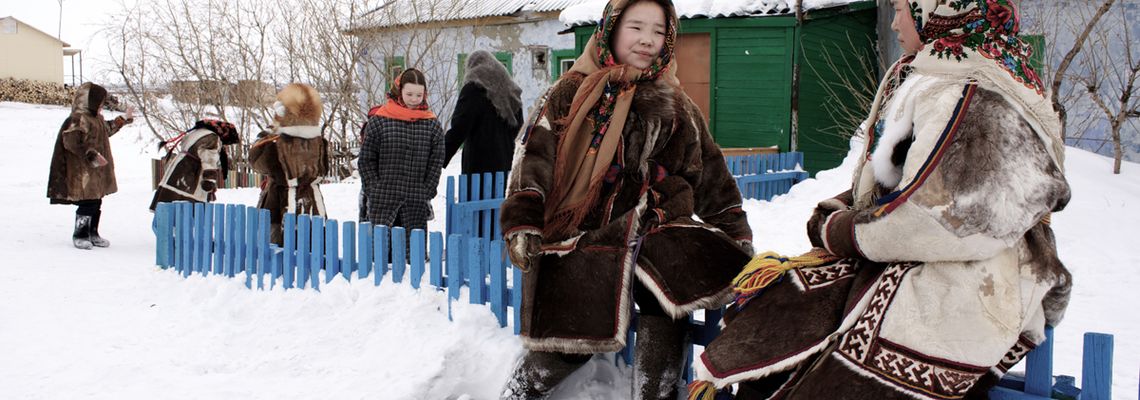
106,323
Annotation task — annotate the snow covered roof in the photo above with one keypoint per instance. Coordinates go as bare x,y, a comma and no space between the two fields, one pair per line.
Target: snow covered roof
588,13
406,12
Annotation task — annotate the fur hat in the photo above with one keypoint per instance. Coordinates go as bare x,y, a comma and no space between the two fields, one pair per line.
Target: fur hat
297,104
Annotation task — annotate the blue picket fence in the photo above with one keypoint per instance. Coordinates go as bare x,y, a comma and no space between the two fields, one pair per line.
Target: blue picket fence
473,204
233,240
473,200
764,176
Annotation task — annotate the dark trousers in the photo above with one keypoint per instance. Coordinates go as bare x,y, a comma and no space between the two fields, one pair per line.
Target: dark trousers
88,207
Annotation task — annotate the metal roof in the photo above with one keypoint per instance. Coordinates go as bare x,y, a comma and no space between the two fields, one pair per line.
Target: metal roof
405,12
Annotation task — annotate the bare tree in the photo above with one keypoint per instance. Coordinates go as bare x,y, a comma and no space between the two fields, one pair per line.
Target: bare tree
1111,82
1058,75
851,93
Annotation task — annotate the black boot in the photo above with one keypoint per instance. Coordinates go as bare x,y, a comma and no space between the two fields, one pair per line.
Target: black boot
96,240
81,237
537,373
659,357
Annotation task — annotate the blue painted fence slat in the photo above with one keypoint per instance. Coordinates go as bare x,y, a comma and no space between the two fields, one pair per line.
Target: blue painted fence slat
348,252
498,282
1096,371
380,253
475,270
205,226
1039,367
164,243
219,236
399,256
250,244
187,230
289,257
263,255
365,246
436,260
332,264
318,249
454,264
304,246
417,257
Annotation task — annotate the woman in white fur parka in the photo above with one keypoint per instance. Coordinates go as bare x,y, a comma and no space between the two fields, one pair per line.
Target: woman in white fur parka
937,269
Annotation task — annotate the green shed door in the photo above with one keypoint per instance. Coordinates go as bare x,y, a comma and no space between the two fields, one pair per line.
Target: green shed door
838,79
752,94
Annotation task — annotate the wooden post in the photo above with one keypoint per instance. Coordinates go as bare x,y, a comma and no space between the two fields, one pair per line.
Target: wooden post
348,252
1096,370
219,236
454,264
1039,367
318,252
250,244
436,274
263,254
399,256
164,235
304,242
498,291
365,247
380,253
332,262
288,260
417,257
475,272
449,203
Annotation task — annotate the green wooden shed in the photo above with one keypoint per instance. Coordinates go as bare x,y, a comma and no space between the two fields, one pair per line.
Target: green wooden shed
741,71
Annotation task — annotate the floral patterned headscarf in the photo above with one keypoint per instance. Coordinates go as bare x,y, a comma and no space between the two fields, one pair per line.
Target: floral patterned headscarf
956,30
980,41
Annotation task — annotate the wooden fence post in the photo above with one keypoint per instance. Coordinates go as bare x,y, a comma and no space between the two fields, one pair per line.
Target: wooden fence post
332,262
435,277
318,252
365,245
417,257
164,235
250,244
1039,367
304,243
263,255
348,252
288,261
498,292
219,243
1096,370
475,271
454,264
380,253
399,256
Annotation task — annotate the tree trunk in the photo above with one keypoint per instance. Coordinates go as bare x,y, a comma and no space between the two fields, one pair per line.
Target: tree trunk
1117,149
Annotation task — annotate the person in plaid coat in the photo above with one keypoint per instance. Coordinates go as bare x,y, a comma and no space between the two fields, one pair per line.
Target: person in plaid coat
402,155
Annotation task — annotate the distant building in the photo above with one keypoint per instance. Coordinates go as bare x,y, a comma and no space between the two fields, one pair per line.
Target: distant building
31,54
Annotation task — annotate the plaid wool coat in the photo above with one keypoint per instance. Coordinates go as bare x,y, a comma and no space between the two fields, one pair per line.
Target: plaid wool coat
400,164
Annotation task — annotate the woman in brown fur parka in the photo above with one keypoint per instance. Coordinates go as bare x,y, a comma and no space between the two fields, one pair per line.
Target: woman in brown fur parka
600,207
82,168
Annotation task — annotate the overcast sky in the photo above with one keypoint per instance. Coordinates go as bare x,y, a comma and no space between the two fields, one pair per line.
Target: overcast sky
82,21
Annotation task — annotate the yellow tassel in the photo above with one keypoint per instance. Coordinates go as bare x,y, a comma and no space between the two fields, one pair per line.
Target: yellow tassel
701,390
769,266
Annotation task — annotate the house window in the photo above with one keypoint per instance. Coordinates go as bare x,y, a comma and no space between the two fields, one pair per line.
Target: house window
394,66
561,61
507,59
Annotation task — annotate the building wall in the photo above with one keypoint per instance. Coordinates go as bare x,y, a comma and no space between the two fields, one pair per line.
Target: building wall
29,54
436,53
